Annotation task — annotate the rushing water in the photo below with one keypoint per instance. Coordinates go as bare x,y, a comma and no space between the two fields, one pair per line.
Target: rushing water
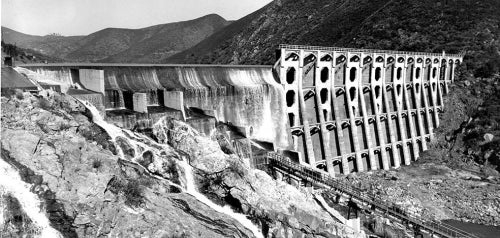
244,96
11,181
142,143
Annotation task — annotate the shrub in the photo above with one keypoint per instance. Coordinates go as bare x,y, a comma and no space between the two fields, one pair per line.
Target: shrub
44,104
131,189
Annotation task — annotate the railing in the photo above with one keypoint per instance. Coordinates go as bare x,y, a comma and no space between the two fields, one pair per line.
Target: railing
436,227
354,50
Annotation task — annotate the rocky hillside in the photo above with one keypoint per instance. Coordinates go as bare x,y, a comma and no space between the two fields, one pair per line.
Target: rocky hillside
151,44
415,25
87,190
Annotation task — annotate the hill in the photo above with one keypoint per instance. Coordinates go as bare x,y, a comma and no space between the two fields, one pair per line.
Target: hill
450,25
149,44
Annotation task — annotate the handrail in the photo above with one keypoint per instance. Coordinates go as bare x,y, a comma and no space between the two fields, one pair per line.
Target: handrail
277,160
354,50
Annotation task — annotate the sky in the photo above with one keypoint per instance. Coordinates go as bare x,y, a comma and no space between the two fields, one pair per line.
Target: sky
82,17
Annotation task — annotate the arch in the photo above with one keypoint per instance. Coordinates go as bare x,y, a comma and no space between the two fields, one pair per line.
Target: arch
390,60
417,87
434,72
380,59
428,61
293,56
417,73
290,75
436,60
326,57
290,98
457,61
398,89
378,73
352,74
324,75
399,73
410,60
309,58
401,60
420,60
323,94
340,59
355,58
367,60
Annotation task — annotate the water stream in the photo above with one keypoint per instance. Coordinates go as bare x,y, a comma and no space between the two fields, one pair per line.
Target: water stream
142,143
11,181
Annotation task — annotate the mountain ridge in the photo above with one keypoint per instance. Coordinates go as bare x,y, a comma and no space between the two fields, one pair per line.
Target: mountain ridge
110,44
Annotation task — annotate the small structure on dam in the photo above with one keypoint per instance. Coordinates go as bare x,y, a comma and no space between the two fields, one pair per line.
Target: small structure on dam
356,110
333,109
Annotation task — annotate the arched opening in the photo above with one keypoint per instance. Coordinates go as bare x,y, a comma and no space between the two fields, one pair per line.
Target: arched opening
377,91
352,93
292,56
378,73
290,75
398,73
434,71
354,58
417,73
380,59
324,74
326,57
291,119
290,98
417,88
398,90
352,74
323,94
340,59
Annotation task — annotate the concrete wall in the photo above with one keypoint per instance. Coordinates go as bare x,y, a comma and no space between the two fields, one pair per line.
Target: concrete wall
353,111
140,102
92,79
175,100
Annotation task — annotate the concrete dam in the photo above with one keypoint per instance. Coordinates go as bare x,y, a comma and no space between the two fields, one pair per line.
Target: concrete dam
337,110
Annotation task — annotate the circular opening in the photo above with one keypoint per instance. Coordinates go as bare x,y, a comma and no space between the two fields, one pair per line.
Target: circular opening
380,59
290,98
290,75
378,71
355,58
352,74
324,74
323,95
401,59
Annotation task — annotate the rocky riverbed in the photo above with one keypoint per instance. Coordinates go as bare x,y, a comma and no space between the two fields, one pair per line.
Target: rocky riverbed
88,190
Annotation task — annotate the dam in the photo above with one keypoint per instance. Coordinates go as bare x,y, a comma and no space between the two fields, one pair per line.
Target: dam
336,110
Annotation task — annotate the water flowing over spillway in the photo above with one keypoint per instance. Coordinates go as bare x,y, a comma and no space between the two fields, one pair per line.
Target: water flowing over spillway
141,144
246,96
11,181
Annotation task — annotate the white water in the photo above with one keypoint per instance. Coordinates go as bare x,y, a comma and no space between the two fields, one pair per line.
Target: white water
142,143
11,181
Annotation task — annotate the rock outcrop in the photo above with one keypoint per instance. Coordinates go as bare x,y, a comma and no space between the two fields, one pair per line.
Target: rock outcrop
87,190
279,208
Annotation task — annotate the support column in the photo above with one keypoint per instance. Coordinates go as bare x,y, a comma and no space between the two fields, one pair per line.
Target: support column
389,122
338,121
366,123
353,103
377,79
399,79
303,111
426,98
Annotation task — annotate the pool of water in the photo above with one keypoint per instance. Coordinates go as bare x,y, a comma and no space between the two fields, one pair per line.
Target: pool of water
482,231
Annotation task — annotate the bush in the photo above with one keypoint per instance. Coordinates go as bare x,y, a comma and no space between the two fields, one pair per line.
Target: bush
131,189
44,104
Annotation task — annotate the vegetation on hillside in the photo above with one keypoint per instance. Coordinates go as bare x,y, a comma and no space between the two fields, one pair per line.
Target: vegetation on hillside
21,55
414,25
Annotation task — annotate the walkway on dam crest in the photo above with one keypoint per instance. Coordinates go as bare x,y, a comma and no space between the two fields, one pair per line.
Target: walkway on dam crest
391,210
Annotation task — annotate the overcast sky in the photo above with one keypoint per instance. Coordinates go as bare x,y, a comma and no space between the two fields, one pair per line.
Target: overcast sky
81,17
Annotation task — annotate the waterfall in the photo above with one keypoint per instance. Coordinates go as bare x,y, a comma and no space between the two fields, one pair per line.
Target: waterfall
142,143
11,181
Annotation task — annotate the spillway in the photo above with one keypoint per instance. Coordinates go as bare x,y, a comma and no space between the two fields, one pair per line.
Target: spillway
244,96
